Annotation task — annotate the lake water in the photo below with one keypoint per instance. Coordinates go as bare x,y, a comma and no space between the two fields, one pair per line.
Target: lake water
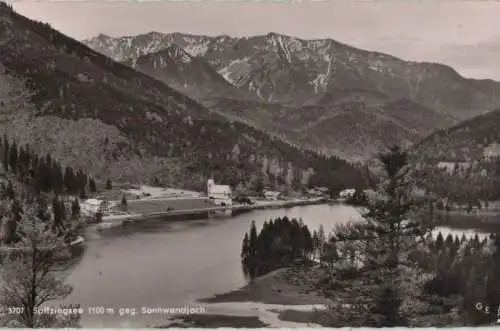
171,264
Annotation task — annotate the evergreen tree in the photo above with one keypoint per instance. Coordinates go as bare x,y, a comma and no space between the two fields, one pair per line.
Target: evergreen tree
384,242
123,203
75,209
259,184
321,241
69,179
92,186
62,209
10,191
6,153
252,251
439,242
449,241
252,248
492,298
109,185
48,174
80,180
58,177
245,248
57,224
383,314
12,223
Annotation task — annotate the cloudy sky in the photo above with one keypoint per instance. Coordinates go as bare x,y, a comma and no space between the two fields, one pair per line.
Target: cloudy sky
463,34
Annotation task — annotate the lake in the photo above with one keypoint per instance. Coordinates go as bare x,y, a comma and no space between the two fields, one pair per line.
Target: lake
171,264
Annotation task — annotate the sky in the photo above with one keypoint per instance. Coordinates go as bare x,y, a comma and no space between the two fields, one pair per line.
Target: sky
462,34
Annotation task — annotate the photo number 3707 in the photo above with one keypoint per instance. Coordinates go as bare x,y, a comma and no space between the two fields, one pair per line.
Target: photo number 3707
15,310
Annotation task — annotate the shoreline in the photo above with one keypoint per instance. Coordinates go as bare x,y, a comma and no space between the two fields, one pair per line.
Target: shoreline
474,213
286,297
112,221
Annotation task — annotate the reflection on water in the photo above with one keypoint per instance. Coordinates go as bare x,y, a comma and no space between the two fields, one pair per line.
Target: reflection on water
479,223
171,264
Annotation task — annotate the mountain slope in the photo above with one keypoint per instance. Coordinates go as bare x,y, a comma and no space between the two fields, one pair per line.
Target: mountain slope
187,74
295,72
353,130
114,121
468,141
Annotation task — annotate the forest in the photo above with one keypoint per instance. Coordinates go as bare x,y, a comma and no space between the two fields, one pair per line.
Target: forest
387,269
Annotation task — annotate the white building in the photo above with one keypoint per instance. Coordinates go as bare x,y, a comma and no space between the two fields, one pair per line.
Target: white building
92,206
220,194
272,195
346,194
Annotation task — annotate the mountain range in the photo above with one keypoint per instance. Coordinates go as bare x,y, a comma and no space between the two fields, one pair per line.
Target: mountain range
318,94
96,114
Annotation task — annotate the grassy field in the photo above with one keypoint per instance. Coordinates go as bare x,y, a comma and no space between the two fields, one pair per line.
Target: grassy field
156,206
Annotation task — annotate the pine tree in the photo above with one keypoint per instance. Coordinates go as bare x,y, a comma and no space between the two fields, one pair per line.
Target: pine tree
69,179
6,153
253,250
59,178
259,184
13,157
80,180
449,241
57,224
92,186
321,241
12,223
10,191
439,242
384,243
62,209
123,203
245,248
492,291
75,209
49,174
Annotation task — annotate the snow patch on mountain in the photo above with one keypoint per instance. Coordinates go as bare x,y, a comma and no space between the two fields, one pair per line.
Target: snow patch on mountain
197,49
236,72
284,49
179,54
321,81
256,89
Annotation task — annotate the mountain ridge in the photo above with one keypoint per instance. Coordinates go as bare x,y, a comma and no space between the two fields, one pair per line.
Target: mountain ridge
294,71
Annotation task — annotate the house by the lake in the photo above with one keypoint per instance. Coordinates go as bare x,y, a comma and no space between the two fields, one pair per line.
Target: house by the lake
317,192
347,194
272,195
220,194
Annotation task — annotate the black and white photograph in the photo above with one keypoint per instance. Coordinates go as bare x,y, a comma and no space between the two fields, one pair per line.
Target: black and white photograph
249,164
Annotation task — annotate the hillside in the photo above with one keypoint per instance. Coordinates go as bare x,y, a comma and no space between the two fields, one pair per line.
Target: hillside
102,116
468,141
351,129
295,72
